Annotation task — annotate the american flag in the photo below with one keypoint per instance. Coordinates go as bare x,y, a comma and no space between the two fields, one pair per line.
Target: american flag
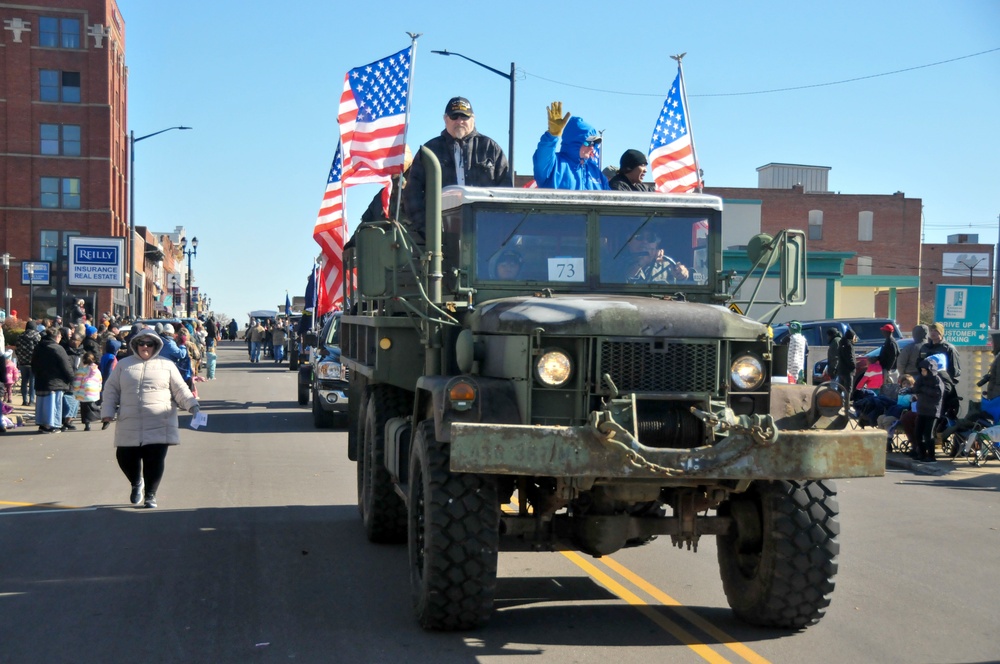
372,117
329,233
671,150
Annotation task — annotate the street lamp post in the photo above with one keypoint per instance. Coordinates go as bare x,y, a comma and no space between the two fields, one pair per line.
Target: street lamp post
6,287
131,211
509,77
190,253
972,268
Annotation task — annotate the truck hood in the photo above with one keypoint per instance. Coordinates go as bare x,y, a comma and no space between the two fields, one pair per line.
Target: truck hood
611,315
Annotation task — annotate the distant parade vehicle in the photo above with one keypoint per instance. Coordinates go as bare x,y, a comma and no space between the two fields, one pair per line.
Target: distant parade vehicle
559,369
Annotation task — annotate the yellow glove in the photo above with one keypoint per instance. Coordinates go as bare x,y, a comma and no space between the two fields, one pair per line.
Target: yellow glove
557,121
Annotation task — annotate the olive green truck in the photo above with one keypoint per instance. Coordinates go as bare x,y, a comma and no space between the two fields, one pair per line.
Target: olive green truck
565,369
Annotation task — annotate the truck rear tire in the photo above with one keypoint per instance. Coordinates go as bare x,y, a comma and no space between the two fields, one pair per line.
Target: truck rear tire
779,559
382,510
454,536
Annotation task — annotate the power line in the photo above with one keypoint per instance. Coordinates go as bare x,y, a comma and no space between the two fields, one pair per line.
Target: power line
764,92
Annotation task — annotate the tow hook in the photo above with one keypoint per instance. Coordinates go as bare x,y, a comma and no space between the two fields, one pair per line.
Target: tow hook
760,427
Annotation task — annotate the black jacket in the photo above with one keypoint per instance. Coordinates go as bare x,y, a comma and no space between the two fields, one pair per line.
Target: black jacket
51,366
833,355
622,183
485,166
846,364
930,391
945,348
888,355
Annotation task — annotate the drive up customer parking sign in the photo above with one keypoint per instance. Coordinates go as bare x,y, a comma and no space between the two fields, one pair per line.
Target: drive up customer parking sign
97,261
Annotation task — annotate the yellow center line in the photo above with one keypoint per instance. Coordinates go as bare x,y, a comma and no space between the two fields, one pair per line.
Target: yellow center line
686,613
681,634
45,505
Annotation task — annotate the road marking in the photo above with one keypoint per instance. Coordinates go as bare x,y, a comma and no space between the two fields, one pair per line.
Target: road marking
681,634
684,612
46,508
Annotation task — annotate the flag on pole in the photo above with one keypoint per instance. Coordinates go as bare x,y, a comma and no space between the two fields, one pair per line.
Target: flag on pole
288,306
372,117
671,150
329,233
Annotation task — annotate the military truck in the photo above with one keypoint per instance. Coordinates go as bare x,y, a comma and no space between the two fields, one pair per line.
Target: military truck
597,397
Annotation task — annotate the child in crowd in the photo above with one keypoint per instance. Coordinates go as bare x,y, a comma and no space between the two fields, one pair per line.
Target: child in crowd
87,386
10,375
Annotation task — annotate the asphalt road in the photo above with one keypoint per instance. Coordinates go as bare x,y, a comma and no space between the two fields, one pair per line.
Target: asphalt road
256,554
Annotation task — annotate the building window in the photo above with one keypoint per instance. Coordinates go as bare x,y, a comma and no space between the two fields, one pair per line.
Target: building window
815,224
61,193
60,139
865,221
60,86
59,32
864,264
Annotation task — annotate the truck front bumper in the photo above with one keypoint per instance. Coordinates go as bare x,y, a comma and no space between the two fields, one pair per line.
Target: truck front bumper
586,451
332,396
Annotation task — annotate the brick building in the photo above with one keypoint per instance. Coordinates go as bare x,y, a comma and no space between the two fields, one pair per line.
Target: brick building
882,231
63,143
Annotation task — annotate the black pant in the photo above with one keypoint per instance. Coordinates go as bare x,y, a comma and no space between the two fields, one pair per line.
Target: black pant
145,461
925,436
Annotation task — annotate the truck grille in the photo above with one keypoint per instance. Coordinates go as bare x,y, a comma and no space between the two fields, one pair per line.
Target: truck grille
661,366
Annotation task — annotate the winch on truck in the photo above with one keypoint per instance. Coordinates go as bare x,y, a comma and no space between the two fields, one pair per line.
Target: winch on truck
525,377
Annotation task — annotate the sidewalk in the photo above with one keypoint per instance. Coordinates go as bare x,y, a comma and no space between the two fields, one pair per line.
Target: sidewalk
949,471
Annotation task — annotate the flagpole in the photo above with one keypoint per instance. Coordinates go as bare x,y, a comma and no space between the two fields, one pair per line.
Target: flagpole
687,109
414,36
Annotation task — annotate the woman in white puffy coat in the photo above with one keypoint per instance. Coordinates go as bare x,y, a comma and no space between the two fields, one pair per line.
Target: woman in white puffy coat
146,390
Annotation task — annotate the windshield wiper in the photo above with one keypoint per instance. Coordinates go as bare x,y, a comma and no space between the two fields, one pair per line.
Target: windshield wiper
630,237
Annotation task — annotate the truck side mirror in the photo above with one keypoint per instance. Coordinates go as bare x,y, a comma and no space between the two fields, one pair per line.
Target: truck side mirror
793,267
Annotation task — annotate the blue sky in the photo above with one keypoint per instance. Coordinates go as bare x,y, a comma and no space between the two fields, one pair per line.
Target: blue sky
259,82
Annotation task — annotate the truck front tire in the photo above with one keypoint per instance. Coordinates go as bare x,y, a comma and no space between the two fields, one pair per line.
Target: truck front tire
454,536
779,559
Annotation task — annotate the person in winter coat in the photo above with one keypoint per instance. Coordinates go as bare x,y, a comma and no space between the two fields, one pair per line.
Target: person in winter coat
53,377
991,379
87,385
887,356
109,359
10,374
936,345
24,350
930,404
832,352
571,167
846,363
909,356
145,390
631,171
468,159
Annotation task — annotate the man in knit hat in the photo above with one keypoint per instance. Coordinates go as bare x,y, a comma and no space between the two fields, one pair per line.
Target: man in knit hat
631,171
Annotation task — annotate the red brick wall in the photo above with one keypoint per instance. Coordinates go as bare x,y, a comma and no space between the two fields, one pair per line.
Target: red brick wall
896,232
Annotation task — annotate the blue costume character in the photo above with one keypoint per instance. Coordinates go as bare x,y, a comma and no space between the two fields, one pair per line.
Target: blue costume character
571,167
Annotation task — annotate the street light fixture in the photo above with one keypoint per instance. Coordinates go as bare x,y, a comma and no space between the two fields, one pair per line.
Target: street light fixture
131,211
190,253
972,268
509,77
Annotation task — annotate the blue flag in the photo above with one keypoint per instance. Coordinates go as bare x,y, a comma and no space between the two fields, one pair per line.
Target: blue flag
288,306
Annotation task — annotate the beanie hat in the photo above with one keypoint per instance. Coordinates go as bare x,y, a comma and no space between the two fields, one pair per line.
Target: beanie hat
168,329
795,326
631,159
939,328
90,330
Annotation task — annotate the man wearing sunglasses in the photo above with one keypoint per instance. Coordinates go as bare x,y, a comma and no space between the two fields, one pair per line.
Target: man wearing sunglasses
468,159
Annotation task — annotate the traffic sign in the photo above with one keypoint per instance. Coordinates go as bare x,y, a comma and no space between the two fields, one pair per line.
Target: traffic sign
38,273
964,311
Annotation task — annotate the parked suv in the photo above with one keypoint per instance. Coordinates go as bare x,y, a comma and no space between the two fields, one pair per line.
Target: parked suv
324,377
869,331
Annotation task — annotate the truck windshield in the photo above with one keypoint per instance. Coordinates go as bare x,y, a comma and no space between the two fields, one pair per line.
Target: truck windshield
653,249
531,246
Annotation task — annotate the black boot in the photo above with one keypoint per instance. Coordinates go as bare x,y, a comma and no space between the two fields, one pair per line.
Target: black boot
68,425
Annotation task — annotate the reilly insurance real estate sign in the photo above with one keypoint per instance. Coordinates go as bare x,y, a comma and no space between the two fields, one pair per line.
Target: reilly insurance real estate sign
97,261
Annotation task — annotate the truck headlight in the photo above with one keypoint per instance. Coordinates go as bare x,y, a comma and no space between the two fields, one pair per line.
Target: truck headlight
747,372
329,371
553,368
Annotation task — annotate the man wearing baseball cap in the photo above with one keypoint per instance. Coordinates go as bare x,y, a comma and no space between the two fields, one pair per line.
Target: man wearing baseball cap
468,159
890,352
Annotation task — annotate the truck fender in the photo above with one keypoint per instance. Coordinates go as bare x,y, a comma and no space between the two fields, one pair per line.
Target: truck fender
495,402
